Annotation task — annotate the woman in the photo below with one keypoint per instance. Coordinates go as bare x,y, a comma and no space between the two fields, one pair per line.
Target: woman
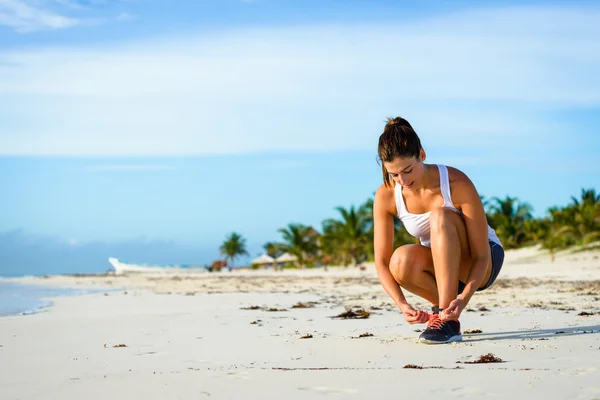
459,253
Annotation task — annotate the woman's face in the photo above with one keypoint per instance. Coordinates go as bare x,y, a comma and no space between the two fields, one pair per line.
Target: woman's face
407,172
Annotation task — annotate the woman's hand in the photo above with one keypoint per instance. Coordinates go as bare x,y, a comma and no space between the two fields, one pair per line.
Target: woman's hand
452,312
413,316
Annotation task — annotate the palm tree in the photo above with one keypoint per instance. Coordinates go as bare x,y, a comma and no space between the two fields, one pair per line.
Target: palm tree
300,241
588,196
586,214
233,247
507,217
556,238
350,235
581,217
273,249
537,230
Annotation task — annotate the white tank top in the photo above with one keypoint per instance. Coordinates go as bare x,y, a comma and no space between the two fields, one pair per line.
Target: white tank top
418,224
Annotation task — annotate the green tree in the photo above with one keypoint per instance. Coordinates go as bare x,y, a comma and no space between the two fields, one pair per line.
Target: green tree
556,238
274,249
350,234
507,216
580,218
301,241
585,215
233,247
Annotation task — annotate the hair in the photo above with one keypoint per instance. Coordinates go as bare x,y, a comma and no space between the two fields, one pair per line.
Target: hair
397,140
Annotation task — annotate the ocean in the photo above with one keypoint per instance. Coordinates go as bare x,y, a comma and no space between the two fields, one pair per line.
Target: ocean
23,299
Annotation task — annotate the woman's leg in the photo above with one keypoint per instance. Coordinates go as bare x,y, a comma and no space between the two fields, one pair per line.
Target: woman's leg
450,253
433,273
411,266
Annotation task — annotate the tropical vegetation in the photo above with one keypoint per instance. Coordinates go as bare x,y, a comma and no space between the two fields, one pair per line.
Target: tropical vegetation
348,238
233,247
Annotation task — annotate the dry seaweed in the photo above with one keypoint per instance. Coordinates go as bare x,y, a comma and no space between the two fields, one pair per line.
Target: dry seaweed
471,331
413,366
358,314
309,304
366,334
251,308
586,314
308,336
485,359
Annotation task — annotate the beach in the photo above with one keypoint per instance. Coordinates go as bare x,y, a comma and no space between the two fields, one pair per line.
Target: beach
268,334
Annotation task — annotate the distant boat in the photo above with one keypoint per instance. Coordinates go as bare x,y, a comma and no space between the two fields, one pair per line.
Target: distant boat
124,267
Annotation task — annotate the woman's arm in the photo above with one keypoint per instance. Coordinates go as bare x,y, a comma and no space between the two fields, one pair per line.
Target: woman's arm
383,222
465,196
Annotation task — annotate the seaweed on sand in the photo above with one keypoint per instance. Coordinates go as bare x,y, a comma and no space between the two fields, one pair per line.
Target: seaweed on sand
116,345
309,304
485,359
358,314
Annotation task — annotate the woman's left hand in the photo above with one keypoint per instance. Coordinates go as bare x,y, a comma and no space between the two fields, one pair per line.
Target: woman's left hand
452,312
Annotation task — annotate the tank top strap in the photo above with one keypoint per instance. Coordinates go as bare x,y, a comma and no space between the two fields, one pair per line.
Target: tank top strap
445,185
400,207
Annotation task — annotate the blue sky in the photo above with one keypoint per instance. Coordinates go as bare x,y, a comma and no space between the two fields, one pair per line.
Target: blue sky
149,130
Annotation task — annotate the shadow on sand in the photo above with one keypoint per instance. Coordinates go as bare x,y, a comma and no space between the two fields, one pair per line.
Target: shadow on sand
532,334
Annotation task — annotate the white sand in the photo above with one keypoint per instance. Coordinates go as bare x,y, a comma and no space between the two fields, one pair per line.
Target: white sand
198,341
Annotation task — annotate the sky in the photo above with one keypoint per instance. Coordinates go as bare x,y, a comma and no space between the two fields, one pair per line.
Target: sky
150,130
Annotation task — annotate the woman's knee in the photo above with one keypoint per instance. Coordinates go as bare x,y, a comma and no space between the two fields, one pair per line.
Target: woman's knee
443,218
401,264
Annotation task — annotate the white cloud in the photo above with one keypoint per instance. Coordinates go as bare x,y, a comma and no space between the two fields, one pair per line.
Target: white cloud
458,78
23,17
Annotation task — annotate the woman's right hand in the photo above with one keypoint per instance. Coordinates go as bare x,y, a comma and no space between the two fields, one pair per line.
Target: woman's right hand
413,316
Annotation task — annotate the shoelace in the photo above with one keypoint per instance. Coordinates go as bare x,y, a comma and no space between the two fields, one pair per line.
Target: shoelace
434,322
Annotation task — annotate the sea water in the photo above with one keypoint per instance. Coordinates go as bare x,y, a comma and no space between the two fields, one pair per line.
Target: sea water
23,299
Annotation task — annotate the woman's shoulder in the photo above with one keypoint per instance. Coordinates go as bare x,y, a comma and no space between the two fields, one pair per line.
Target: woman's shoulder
461,185
384,191
385,197
455,175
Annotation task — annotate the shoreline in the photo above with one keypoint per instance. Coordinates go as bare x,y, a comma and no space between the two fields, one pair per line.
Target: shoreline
528,278
22,298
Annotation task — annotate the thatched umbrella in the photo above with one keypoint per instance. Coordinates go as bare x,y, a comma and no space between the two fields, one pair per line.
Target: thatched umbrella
264,259
286,258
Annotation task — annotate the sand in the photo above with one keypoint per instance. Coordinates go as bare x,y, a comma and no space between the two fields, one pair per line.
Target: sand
238,335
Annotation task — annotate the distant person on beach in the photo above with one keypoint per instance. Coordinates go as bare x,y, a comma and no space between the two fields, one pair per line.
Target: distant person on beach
458,254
